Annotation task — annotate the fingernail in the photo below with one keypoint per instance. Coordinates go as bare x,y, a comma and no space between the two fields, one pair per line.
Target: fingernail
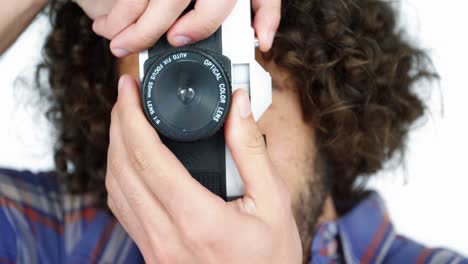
268,39
120,52
182,40
243,104
121,82
249,206
272,36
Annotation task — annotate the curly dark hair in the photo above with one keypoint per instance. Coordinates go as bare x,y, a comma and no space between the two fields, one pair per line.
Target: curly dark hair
82,76
354,71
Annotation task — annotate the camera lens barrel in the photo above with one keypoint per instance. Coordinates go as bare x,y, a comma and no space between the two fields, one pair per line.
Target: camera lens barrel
187,93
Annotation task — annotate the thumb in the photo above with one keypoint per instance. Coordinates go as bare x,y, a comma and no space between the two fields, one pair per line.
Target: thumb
248,149
128,96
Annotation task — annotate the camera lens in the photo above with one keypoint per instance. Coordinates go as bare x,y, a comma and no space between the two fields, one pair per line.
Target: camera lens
180,106
186,95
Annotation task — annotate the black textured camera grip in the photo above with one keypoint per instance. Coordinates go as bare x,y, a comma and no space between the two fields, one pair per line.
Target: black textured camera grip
204,159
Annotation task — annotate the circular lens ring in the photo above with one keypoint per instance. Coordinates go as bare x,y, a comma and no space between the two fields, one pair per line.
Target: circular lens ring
211,64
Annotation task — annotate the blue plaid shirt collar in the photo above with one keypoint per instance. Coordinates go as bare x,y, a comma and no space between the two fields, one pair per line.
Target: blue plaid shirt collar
363,235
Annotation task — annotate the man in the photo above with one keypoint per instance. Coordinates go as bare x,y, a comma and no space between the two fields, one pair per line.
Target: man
342,105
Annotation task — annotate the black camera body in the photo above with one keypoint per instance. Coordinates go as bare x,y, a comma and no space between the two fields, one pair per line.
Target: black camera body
186,96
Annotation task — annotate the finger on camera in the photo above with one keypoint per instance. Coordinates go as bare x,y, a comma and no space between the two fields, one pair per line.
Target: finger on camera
249,152
122,14
139,202
266,21
158,17
154,163
145,199
201,22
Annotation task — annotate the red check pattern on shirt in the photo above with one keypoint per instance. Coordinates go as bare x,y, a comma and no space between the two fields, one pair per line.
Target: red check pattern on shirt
366,235
41,223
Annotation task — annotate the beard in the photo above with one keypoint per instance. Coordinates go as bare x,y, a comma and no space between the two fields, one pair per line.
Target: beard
308,205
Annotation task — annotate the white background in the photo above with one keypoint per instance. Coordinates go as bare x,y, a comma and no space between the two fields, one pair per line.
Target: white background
427,198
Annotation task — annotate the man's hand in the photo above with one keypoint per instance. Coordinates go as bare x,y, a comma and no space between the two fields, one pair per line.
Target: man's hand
135,25
172,218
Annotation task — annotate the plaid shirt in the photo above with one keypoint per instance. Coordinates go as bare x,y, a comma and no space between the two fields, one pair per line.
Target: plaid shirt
40,223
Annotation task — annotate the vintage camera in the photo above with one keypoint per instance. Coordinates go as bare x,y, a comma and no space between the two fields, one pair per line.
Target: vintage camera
186,96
